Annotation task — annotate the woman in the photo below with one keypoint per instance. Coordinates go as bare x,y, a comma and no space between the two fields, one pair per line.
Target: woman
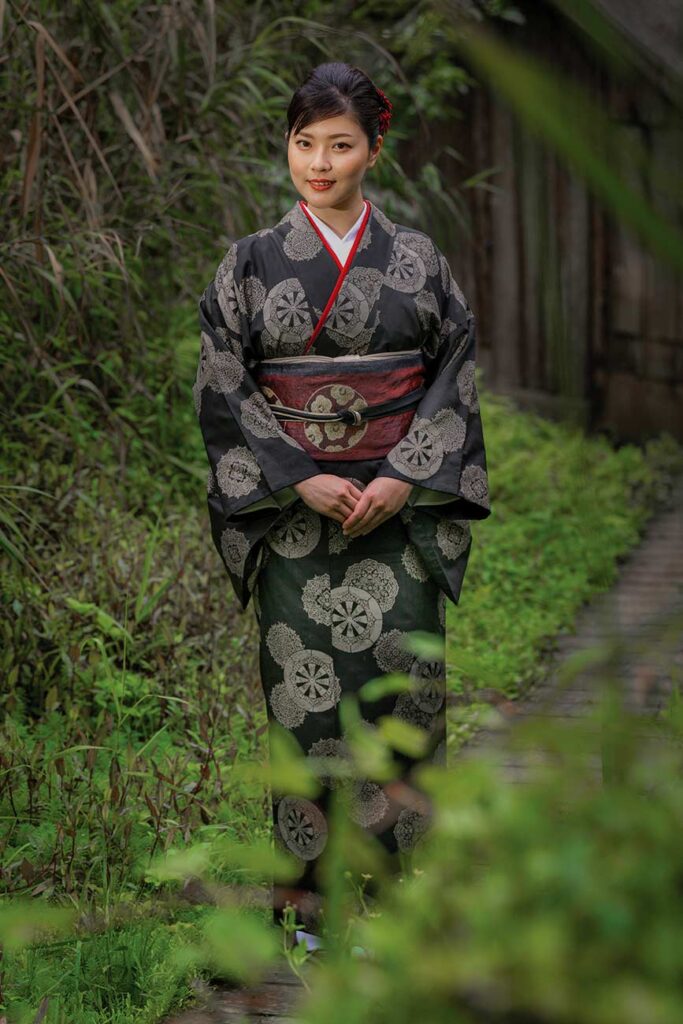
340,488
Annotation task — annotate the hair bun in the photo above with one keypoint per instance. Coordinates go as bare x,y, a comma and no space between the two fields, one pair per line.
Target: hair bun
385,112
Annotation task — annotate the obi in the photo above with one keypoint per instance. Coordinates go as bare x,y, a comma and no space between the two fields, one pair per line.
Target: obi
344,407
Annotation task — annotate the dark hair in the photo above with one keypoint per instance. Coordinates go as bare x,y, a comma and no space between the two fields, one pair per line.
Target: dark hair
337,88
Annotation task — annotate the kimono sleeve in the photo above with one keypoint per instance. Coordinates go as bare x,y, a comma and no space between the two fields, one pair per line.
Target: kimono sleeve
253,463
443,452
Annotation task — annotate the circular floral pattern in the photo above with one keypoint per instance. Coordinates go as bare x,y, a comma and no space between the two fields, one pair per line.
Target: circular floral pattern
286,314
406,271
335,435
423,246
407,710
413,563
315,597
253,293
467,388
297,533
375,578
390,653
282,641
238,472
429,692
356,618
474,484
453,536
409,828
349,312
420,453
302,826
257,417
368,803
310,680
452,429
288,712
333,748
235,548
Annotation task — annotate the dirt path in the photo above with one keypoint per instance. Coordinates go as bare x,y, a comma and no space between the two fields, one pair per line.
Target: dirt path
649,589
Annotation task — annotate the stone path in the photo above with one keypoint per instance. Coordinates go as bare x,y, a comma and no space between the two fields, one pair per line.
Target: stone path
636,615
639,621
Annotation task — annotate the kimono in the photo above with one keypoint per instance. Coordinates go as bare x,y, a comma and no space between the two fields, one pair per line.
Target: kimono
334,611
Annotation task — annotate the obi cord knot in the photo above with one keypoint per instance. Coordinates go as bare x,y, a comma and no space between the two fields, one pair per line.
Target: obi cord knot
385,113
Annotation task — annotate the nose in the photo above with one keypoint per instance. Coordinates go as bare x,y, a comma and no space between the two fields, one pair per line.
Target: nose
320,162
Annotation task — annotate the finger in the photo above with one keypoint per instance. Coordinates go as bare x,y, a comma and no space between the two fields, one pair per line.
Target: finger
358,512
365,522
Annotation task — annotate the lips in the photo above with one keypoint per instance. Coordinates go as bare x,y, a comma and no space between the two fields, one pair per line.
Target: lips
320,181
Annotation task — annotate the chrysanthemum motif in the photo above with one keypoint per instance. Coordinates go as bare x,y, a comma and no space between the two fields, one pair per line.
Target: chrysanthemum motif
381,218
334,436
413,564
409,828
285,313
310,680
451,427
210,482
253,293
315,597
337,540
226,297
391,653
235,548
406,271
367,280
257,417
407,710
376,578
349,311
423,246
368,803
420,453
453,536
356,618
330,747
238,472
286,710
467,388
302,243
282,642
474,484
296,533
429,685
226,373
302,826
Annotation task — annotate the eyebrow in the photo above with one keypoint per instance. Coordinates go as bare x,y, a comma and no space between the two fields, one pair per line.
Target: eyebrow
337,135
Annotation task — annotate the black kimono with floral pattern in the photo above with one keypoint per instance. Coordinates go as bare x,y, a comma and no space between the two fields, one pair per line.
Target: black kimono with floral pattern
334,611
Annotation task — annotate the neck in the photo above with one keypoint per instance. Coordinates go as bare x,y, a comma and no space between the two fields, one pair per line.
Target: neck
340,218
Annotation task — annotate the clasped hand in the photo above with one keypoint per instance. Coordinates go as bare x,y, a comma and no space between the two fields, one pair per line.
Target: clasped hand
358,511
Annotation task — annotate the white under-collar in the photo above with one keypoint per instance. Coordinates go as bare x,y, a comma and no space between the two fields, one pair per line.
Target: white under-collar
340,246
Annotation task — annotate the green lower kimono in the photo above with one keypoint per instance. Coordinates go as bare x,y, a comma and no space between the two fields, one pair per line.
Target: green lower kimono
333,612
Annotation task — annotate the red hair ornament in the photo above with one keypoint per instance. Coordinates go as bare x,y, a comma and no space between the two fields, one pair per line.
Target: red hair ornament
384,115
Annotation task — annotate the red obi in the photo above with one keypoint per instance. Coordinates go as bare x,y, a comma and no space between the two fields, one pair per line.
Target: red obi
344,407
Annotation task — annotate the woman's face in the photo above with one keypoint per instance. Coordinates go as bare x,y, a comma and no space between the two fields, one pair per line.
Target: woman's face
335,149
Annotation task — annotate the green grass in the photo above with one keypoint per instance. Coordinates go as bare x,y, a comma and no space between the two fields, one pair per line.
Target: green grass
132,695
566,508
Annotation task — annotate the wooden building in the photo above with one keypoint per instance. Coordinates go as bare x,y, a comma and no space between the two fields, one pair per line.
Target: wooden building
576,318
